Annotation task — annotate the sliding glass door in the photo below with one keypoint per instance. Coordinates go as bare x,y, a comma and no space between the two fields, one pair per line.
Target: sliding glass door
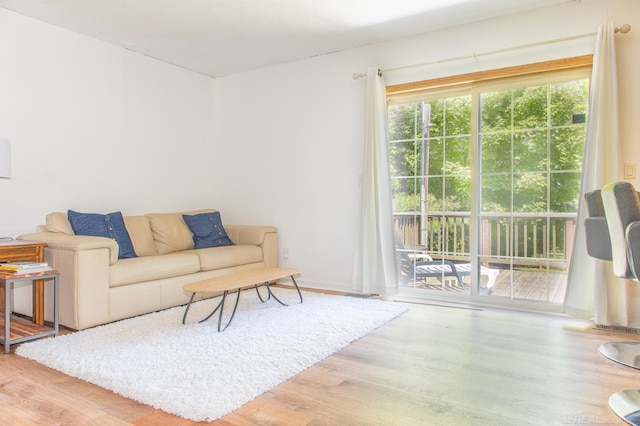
485,186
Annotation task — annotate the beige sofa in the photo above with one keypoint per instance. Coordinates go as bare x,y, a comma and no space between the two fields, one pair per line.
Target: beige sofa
96,287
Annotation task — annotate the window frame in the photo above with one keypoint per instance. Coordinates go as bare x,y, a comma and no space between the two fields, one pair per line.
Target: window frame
406,91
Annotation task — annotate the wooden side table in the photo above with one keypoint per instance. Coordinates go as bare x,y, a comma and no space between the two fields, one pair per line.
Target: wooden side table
17,329
29,251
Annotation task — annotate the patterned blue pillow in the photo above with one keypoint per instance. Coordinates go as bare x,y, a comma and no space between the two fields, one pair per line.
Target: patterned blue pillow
103,225
207,230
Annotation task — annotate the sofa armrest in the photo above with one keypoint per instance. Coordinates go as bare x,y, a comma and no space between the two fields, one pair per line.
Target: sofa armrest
259,235
84,265
61,241
249,234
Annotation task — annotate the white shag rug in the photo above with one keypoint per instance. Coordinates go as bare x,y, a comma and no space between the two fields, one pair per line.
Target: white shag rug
197,373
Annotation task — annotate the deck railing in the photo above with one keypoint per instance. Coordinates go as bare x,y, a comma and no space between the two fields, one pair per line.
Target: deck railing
527,239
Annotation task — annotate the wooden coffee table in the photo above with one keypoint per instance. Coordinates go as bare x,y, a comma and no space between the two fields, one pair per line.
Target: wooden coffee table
235,283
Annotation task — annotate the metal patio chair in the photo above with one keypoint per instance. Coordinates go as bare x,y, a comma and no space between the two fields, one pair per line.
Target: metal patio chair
422,266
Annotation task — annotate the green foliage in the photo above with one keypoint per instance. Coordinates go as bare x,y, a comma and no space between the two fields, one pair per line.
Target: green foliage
530,150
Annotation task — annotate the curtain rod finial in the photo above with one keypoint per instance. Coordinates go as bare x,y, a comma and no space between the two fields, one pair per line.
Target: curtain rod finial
623,29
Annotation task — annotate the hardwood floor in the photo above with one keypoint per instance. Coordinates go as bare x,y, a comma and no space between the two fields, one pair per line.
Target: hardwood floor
519,285
434,365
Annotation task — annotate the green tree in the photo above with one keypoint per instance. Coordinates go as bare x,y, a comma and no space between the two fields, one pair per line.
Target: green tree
531,145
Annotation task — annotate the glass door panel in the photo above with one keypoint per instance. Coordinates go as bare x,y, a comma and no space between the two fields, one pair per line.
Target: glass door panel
508,184
430,152
530,156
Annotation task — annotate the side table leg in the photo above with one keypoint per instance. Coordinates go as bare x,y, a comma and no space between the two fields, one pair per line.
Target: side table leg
7,317
2,291
38,302
56,305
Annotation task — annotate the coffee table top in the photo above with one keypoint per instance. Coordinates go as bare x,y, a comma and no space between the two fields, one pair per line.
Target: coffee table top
239,280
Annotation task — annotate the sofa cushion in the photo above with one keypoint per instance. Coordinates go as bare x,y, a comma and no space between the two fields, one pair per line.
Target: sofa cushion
58,222
207,230
149,268
227,256
170,232
109,225
141,236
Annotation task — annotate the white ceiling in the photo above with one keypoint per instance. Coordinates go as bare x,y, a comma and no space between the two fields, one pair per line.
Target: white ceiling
222,37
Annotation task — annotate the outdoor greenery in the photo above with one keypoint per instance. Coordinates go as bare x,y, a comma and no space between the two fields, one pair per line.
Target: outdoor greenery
530,145
531,148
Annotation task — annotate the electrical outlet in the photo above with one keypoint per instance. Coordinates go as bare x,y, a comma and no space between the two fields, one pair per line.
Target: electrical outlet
629,170
285,253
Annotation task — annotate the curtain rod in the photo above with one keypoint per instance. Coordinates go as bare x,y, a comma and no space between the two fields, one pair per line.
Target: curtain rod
623,29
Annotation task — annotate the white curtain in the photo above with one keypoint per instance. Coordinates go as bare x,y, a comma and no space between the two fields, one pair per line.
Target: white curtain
375,259
593,291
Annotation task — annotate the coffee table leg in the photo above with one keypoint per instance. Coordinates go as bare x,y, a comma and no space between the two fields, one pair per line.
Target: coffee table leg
184,317
280,301
297,288
220,306
186,310
260,296
232,313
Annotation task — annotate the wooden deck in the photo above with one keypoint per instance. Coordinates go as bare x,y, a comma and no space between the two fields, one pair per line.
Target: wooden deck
521,285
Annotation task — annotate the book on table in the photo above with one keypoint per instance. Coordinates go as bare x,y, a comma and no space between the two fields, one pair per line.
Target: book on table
24,267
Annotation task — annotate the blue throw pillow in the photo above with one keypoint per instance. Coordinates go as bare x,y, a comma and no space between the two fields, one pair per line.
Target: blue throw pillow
103,225
207,230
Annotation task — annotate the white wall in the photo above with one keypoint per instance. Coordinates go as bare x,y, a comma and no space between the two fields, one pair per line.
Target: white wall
97,128
295,131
